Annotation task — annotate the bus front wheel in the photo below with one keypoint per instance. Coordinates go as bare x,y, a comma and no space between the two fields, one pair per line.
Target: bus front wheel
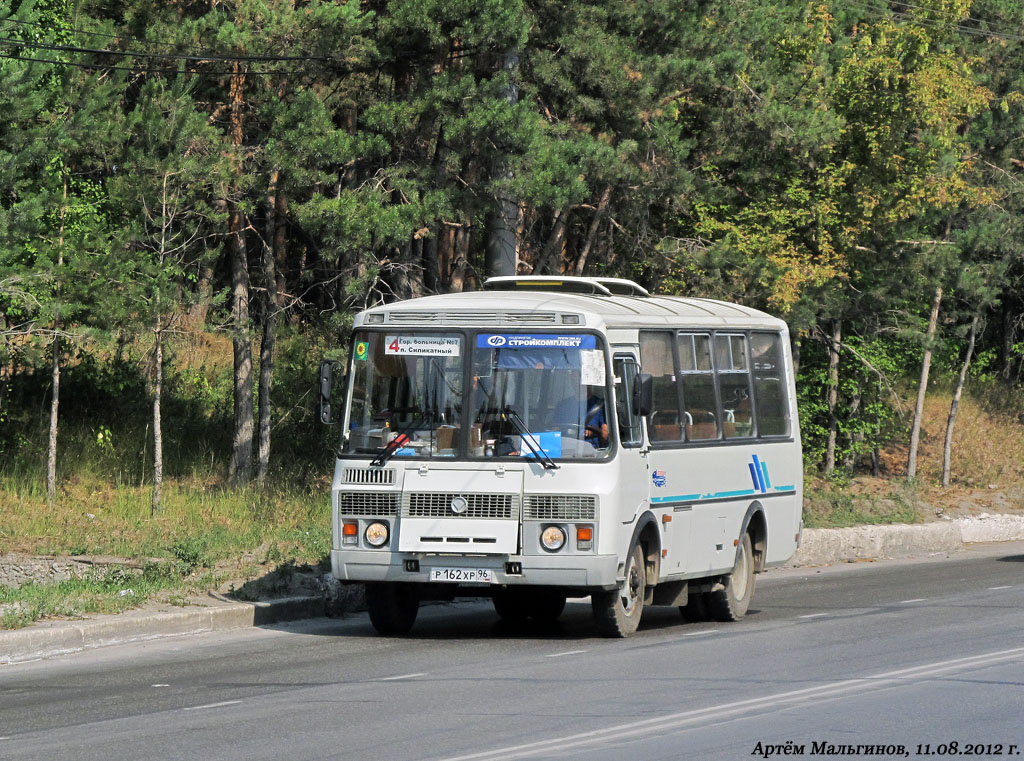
730,603
617,613
393,607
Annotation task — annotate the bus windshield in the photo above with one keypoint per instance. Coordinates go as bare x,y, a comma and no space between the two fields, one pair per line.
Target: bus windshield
539,392
528,396
406,393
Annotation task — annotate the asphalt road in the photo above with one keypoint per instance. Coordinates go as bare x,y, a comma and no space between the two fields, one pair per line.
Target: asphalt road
919,654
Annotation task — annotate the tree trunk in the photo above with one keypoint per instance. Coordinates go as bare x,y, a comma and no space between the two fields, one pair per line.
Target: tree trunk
158,437
926,363
551,253
240,467
856,437
602,205
947,449
51,449
204,293
272,307
833,395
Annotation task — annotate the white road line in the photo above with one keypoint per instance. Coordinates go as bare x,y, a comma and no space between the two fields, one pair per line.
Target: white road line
813,615
402,676
916,599
1008,586
700,634
567,652
214,705
159,685
670,722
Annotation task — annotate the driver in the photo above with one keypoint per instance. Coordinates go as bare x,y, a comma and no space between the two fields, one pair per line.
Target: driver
570,411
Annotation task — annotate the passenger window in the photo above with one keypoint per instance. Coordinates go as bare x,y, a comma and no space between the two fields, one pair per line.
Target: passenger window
734,385
769,384
664,422
698,383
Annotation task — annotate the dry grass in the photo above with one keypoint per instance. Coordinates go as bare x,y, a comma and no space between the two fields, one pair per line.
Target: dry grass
988,442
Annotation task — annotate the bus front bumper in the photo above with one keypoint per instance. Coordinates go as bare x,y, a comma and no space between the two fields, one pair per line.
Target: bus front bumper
571,570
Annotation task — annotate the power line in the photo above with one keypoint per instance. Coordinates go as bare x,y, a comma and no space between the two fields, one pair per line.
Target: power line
932,23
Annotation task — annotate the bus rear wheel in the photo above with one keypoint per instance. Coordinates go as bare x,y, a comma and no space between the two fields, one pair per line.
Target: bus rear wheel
730,603
393,607
617,613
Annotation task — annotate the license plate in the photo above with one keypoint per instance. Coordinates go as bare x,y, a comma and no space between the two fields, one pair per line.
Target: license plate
471,575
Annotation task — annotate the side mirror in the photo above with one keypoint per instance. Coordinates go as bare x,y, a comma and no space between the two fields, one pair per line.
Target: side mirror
324,404
643,394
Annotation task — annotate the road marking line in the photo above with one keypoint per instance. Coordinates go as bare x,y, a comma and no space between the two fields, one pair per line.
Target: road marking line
403,676
813,615
214,705
1008,586
675,721
916,599
700,634
567,652
159,685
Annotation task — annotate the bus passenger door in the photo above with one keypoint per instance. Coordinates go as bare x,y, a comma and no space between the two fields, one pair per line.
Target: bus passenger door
633,465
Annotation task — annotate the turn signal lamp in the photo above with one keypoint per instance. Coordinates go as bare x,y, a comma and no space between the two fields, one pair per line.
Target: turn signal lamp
584,537
350,532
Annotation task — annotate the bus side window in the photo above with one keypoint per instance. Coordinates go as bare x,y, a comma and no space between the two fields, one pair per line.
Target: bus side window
664,422
698,382
769,384
734,385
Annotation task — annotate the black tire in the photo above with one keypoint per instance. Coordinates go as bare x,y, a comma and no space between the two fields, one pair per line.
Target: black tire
520,603
730,603
547,605
393,607
617,613
696,608
510,604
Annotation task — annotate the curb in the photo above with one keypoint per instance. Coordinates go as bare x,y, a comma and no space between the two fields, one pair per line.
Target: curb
824,546
48,639
818,547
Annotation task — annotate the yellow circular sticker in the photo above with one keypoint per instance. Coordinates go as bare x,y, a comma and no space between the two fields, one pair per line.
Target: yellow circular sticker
362,350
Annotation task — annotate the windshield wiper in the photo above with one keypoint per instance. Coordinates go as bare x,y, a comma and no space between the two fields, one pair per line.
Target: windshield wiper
528,438
401,438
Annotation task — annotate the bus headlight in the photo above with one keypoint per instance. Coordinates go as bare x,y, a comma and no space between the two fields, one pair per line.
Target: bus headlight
376,534
552,538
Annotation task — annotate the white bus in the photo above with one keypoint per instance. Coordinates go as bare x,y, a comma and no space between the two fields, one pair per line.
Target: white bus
550,438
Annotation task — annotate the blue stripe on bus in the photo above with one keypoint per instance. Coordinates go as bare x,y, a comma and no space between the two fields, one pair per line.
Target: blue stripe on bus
753,475
758,476
679,498
767,480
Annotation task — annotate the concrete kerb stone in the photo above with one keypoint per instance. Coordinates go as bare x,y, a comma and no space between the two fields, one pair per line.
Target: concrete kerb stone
53,638
826,546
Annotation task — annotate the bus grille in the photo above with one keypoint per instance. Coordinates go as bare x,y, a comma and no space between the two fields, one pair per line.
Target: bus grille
369,476
438,505
561,507
372,503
